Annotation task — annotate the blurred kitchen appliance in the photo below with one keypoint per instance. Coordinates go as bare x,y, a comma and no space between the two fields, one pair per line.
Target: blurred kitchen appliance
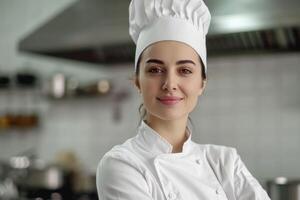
46,182
8,190
281,188
26,177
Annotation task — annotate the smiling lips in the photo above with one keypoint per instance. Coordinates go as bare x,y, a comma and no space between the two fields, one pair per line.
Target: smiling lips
169,100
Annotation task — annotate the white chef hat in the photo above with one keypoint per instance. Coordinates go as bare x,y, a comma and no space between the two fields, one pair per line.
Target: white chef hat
185,21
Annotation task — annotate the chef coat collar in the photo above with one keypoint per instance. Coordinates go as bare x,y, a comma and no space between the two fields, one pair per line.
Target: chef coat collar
155,143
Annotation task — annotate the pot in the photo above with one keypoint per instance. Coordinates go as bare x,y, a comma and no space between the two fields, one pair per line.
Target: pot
282,188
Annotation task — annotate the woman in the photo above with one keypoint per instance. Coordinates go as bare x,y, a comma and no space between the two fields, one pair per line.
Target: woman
161,161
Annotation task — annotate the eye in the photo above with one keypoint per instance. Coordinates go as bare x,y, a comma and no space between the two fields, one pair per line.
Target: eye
155,70
185,71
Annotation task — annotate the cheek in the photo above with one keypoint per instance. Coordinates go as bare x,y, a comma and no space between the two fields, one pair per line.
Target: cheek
149,85
149,88
193,95
192,88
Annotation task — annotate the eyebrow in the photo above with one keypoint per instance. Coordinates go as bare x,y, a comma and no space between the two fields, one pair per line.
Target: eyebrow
177,63
155,61
184,62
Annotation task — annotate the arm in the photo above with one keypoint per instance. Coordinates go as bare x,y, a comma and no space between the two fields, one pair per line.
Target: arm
118,180
246,186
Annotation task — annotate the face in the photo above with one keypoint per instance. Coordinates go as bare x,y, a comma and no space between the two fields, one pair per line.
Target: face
170,80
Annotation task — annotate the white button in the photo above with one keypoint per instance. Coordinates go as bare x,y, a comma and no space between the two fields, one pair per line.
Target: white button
218,191
198,161
171,196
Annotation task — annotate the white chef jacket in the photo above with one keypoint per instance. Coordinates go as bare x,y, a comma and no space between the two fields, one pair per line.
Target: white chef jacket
144,168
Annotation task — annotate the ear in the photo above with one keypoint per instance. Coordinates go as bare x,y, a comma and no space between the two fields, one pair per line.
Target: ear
201,89
137,82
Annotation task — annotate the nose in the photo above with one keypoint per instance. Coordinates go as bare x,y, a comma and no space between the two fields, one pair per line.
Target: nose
170,82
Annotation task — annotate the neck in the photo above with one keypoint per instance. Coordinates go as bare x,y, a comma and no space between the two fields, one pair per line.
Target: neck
174,131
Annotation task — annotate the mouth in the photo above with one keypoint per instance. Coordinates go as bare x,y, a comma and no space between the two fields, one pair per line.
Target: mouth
169,100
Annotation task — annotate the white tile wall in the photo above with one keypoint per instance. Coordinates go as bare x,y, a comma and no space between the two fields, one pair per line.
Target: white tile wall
252,102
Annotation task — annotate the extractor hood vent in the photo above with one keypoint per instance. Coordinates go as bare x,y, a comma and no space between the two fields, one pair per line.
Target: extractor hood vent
270,40
108,54
97,30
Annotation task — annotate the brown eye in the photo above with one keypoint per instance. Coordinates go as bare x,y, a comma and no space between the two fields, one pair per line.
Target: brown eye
185,71
155,70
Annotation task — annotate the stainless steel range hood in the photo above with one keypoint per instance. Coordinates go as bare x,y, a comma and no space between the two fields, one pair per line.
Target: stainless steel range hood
97,30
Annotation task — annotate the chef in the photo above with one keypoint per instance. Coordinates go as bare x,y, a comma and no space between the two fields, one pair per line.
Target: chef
161,162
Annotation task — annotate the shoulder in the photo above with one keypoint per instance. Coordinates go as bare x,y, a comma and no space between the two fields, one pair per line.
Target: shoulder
119,173
118,157
119,153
